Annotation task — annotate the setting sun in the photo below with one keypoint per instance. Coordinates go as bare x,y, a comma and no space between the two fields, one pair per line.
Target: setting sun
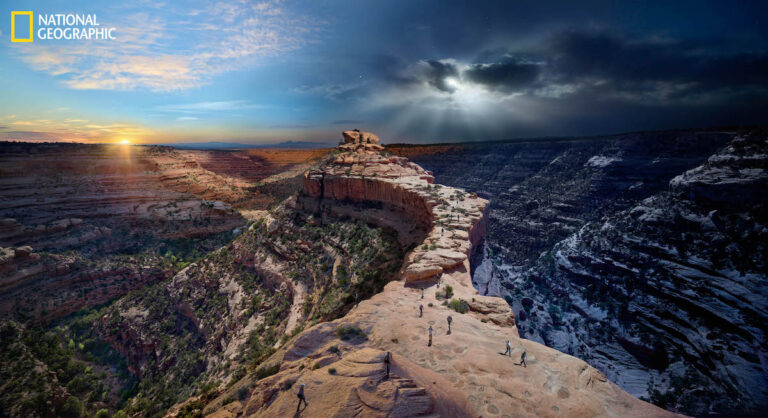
125,142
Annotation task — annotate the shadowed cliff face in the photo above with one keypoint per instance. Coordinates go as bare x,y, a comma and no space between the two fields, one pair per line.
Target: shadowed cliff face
640,253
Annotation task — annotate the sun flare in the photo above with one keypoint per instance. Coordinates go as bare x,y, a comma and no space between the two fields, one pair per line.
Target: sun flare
125,142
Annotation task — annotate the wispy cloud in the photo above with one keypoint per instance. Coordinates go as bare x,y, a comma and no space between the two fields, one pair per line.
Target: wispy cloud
163,51
207,107
186,118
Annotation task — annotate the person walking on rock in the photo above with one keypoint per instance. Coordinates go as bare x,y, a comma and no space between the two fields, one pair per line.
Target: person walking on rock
422,293
386,362
509,349
449,323
430,336
421,311
301,398
522,359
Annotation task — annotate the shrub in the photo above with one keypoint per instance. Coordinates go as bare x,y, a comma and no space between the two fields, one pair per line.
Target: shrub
346,333
287,384
267,371
459,305
332,371
446,293
334,349
73,407
242,393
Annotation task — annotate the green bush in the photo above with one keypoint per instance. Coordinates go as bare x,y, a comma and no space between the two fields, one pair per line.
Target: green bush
446,293
242,393
263,372
332,371
73,407
459,305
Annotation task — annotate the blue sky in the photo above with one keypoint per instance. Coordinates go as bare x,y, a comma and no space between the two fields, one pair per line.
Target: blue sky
416,71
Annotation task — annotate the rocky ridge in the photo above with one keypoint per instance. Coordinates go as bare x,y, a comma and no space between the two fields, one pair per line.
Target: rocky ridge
464,372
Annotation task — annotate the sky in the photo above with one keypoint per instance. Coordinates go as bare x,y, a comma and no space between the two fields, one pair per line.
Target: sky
414,71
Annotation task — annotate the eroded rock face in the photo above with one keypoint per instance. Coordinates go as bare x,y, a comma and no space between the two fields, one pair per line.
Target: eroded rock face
455,219
464,373
356,140
641,253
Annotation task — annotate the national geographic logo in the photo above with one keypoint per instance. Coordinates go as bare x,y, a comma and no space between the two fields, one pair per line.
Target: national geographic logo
58,26
22,16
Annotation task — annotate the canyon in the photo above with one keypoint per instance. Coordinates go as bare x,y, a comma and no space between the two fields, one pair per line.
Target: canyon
642,253
340,364
151,281
98,221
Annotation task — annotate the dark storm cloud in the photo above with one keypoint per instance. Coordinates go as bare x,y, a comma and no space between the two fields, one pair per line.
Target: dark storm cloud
636,66
437,72
605,64
508,75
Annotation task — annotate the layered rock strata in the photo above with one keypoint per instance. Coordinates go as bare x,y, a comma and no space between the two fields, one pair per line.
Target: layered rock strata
463,372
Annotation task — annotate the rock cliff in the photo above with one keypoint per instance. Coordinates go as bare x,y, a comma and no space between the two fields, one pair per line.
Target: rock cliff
461,369
640,253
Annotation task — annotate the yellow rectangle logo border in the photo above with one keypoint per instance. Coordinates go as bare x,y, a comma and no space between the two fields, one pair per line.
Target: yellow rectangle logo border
31,27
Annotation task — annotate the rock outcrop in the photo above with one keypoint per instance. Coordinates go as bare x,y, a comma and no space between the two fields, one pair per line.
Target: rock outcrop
455,219
356,140
463,372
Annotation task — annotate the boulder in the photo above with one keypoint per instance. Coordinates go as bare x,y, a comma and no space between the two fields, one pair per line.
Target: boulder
24,251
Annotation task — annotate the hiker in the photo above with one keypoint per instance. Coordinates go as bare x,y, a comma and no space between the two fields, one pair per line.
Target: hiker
442,231
421,311
449,323
386,361
422,293
301,398
509,349
430,336
522,359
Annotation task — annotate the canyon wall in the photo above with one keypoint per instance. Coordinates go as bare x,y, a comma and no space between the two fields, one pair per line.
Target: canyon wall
447,369
641,253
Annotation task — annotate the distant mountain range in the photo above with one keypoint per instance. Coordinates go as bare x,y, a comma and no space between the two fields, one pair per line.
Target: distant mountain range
238,145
